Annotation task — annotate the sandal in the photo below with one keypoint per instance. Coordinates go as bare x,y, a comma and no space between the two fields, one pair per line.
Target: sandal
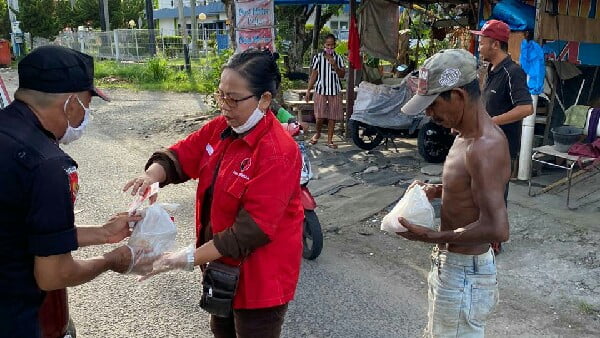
313,140
332,145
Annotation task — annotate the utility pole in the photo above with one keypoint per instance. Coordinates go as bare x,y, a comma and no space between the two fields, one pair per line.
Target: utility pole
182,24
194,27
106,16
14,4
315,39
184,40
104,19
150,18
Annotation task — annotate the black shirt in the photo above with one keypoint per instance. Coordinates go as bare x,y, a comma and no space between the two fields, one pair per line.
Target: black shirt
505,88
38,185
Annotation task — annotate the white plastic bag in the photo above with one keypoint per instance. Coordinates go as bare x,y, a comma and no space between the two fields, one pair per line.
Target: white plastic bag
138,201
414,207
153,235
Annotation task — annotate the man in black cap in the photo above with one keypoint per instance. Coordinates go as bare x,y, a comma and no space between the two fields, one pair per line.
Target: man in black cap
38,188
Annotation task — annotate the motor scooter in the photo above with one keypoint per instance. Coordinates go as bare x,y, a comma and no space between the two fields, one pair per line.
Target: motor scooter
377,116
312,234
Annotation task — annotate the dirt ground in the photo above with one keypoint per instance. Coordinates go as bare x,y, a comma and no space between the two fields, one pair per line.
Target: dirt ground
366,283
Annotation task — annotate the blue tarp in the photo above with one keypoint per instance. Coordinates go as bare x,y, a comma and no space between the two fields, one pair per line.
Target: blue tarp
533,63
518,15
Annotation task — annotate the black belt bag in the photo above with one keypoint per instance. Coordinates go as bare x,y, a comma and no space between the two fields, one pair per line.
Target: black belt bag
219,285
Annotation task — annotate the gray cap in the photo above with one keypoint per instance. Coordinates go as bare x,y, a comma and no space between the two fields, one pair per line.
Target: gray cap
445,70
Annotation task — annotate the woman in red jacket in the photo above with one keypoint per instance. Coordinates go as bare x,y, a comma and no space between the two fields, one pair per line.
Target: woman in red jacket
248,209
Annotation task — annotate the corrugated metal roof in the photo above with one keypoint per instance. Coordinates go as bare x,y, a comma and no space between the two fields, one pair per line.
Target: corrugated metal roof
219,7
170,13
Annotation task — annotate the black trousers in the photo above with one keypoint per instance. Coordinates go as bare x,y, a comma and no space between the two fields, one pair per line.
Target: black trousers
255,323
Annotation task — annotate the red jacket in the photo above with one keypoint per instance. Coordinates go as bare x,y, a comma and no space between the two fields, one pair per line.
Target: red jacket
260,172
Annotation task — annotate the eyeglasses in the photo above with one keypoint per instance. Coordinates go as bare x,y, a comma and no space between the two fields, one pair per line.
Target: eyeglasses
229,101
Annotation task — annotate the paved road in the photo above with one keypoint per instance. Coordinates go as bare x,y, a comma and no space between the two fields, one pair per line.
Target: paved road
365,284
342,294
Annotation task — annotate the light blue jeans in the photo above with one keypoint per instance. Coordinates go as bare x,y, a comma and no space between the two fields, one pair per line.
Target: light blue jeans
463,291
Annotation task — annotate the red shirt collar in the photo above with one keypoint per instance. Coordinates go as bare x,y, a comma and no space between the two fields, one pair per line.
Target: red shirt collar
255,134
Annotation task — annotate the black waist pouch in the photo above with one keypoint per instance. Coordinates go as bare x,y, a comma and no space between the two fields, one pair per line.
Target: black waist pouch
219,285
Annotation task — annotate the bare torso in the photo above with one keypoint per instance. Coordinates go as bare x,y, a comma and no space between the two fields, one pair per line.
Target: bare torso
459,206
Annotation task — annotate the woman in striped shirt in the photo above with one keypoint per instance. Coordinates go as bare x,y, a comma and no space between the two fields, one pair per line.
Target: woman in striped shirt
327,69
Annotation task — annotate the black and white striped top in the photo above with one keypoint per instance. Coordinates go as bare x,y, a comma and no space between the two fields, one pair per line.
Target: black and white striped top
328,82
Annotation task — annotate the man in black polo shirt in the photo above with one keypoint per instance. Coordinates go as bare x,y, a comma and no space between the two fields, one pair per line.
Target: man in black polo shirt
506,94
38,188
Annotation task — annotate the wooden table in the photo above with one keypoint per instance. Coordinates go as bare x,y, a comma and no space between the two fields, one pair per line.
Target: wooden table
298,107
302,92
570,161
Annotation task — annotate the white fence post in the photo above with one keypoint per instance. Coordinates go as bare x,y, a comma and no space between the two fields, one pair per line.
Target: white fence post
117,51
137,52
81,41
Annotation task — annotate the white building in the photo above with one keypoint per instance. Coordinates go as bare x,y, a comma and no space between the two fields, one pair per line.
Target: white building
167,17
339,24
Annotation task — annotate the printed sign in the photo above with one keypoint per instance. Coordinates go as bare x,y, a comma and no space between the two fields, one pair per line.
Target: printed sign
255,22
254,14
256,38
579,53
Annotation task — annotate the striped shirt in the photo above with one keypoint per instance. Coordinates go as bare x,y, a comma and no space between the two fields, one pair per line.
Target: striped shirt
328,82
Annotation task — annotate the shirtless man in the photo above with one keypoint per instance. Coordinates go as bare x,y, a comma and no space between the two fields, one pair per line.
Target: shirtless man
462,282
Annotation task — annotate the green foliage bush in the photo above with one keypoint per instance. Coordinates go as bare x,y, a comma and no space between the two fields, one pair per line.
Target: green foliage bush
164,75
342,48
157,69
324,31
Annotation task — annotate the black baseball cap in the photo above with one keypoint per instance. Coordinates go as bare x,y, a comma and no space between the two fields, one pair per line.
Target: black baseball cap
56,69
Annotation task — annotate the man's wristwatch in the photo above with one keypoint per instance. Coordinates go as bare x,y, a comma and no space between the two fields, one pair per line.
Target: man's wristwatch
189,266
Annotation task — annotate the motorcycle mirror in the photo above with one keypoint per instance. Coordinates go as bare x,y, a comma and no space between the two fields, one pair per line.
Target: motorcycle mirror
401,68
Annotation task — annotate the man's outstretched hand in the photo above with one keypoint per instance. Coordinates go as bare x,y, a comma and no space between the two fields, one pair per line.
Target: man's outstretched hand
418,233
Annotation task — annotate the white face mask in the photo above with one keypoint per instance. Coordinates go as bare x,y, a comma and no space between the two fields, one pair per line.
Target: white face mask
253,120
73,134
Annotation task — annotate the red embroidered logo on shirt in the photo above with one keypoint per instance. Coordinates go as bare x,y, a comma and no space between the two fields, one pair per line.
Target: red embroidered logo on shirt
73,182
245,165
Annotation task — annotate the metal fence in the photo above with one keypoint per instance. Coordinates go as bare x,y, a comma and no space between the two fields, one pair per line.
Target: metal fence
138,44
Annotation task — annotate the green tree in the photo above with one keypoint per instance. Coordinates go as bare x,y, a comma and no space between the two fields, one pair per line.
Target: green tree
132,10
116,14
292,32
4,20
37,17
87,13
65,15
